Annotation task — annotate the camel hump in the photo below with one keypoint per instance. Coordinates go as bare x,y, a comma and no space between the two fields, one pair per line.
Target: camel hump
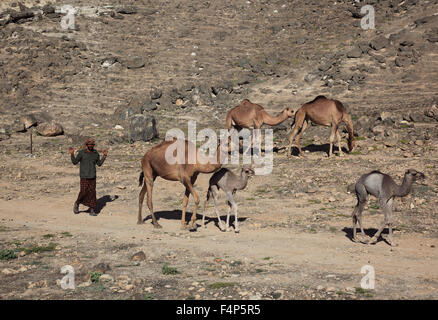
318,97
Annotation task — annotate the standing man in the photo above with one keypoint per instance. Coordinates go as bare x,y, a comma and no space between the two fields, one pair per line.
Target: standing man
88,157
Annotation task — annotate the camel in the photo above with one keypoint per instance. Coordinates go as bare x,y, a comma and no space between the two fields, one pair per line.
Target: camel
248,114
229,182
325,112
383,187
154,164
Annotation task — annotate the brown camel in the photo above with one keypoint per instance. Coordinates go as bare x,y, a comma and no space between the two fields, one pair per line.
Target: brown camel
248,114
324,112
154,164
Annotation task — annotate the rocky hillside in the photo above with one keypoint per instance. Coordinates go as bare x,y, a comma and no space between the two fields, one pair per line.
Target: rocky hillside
192,59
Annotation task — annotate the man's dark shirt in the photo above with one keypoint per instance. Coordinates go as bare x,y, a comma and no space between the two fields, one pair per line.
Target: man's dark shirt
88,160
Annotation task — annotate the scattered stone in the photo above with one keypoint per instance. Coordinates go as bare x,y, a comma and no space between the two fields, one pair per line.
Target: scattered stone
379,130
139,256
432,112
109,61
50,129
135,63
379,42
142,128
28,121
106,278
309,78
319,288
37,284
356,52
101,267
156,93
8,271
85,284
129,287
126,10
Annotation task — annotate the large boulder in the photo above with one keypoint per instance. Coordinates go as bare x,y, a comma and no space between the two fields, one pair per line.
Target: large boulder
142,128
50,129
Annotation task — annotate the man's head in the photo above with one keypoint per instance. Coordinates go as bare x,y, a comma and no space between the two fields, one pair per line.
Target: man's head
90,143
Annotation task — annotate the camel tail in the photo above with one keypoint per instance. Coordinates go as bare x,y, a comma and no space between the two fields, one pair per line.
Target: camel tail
140,179
347,120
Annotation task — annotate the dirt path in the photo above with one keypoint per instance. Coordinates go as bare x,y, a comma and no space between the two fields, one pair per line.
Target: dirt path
297,259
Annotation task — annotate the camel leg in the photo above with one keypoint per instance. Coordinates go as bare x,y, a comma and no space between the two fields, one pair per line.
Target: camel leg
362,197
149,188
386,212
214,192
233,205
299,119
140,202
339,143
300,134
189,190
205,207
227,224
332,139
184,207
357,217
389,211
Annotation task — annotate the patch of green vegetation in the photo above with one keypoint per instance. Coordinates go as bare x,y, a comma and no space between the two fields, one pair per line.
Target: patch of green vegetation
33,263
168,270
374,205
4,229
359,138
355,152
333,229
404,126
340,293
235,263
66,234
313,201
95,276
262,190
48,236
148,296
250,198
39,249
366,292
312,230
219,285
7,255
354,117
97,287
267,258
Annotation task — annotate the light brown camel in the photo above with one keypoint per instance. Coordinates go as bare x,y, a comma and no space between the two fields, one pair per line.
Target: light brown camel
154,164
248,114
324,112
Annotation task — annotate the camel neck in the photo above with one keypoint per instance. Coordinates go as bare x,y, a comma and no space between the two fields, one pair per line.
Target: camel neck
274,120
404,189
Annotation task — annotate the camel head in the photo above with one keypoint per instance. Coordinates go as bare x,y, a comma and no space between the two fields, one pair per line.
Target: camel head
248,171
414,174
289,112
